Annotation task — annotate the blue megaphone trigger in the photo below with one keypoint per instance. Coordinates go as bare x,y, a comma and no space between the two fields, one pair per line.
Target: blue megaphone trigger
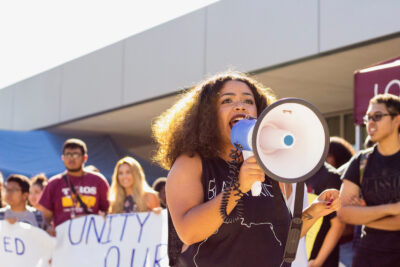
241,134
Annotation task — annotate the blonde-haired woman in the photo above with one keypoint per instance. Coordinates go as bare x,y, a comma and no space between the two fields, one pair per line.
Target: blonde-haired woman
129,191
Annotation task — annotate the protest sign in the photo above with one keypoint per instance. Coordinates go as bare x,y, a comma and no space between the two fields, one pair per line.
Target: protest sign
22,245
137,239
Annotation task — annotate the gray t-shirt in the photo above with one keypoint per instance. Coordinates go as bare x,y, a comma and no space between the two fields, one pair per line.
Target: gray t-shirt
28,216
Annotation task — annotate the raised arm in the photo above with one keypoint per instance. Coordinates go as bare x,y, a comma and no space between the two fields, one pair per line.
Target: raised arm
326,203
354,213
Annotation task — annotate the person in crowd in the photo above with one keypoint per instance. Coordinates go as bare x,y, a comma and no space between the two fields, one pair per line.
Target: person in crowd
217,221
92,168
340,152
370,192
17,192
75,192
129,191
38,183
1,190
159,186
357,228
325,251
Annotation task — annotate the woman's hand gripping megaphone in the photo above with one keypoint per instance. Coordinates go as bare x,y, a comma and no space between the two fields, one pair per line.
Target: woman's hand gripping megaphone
251,176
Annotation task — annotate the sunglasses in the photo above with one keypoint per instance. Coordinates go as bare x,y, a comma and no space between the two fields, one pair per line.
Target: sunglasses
376,117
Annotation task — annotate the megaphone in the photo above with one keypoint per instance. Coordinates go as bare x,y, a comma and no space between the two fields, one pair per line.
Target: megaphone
290,140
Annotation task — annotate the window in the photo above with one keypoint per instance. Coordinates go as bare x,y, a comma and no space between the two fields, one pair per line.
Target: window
342,125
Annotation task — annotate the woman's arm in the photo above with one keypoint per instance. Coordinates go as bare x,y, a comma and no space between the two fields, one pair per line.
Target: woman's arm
330,241
195,220
152,202
356,214
390,223
326,203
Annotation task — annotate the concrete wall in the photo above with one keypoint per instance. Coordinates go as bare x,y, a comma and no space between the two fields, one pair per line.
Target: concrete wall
247,35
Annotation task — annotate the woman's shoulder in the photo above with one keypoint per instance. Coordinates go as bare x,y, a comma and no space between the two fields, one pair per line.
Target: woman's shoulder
186,171
188,161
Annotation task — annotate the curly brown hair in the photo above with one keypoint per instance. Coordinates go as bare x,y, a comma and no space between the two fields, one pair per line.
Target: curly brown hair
190,125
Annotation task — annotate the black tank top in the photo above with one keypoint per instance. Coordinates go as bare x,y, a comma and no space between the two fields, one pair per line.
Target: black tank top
257,239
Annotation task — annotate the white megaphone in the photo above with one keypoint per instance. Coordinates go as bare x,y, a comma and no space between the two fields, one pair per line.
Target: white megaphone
289,139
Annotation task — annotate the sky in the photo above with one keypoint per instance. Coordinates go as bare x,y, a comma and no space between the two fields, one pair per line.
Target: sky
39,35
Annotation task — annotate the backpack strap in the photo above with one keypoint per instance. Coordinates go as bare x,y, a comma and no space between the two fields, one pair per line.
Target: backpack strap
78,197
363,162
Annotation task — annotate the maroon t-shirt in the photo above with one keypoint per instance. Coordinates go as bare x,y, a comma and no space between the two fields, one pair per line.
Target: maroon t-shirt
57,196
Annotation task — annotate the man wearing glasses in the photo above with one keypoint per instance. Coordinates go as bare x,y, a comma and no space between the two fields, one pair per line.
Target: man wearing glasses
75,192
17,192
370,192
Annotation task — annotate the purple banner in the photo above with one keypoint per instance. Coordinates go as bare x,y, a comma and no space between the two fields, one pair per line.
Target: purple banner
377,79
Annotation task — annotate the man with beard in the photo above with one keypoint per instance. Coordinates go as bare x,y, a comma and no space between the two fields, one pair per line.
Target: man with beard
75,192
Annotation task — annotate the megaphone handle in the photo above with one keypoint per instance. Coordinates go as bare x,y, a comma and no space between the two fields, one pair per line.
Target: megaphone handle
256,187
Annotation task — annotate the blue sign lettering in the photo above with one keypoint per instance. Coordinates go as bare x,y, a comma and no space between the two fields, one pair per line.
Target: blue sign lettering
6,242
19,246
69,232
142,224
113,248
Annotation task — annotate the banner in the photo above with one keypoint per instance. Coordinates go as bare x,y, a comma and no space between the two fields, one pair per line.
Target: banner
137,239
24,245
378,79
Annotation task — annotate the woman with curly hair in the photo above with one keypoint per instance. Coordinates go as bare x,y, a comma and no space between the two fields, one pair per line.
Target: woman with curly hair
217,222
129,191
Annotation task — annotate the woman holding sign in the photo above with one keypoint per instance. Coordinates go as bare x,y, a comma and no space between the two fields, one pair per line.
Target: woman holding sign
194,144
129,191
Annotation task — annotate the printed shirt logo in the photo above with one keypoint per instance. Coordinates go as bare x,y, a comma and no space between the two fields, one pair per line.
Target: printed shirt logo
90,201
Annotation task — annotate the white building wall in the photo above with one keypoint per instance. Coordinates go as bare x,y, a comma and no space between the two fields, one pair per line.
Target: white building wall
245,34
7,107
92,83
250,35
165,59
344,22
37,100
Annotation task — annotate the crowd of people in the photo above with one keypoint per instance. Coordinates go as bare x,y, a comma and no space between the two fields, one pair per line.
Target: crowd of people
213,219
78,191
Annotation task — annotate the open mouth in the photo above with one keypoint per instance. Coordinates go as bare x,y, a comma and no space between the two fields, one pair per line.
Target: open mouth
371,130
235,119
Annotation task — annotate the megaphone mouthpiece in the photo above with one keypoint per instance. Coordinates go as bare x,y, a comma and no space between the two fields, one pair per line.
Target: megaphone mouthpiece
272,138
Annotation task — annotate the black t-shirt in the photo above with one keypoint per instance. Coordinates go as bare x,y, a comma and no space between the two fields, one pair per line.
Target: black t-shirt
327,177
258,239
380,185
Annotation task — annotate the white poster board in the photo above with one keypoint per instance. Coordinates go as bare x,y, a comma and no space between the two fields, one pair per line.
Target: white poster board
118,240
22,245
